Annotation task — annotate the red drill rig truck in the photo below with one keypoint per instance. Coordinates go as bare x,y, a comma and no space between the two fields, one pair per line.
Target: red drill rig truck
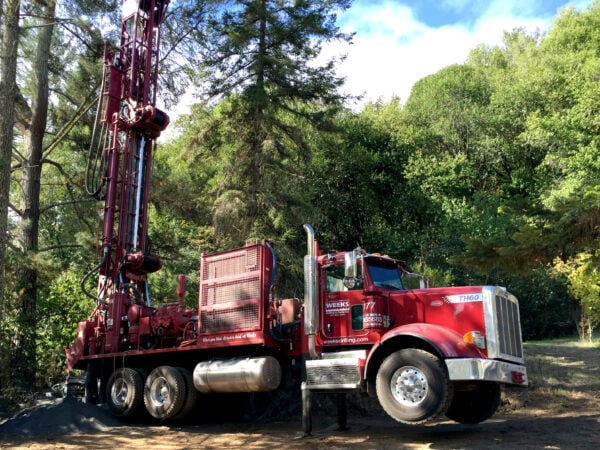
422,352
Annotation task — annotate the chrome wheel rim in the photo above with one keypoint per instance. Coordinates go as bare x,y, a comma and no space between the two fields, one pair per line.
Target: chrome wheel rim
409,386
119,391
160,391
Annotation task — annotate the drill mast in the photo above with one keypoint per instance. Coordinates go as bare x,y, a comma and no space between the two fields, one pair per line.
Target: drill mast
127,126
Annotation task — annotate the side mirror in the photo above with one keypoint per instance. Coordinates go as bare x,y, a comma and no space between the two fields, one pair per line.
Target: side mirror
350,270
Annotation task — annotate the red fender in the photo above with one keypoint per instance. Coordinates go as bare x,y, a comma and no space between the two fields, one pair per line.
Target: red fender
444,341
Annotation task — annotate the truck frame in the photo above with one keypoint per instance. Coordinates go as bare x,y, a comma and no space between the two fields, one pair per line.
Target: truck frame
361,327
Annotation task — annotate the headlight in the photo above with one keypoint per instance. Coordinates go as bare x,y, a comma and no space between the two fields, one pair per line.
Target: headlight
475,337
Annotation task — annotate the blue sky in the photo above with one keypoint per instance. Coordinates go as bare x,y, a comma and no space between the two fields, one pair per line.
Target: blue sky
398,42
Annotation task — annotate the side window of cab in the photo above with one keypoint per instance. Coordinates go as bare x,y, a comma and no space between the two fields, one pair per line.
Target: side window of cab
335,280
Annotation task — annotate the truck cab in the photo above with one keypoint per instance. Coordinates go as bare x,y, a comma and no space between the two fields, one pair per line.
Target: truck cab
423,352
356,289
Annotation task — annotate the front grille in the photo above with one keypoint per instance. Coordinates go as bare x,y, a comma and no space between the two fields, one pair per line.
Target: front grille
503,325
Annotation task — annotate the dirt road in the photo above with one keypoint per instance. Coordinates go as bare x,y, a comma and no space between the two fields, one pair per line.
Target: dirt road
561,410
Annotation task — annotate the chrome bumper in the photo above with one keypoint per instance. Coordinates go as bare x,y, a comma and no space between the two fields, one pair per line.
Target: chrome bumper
475,369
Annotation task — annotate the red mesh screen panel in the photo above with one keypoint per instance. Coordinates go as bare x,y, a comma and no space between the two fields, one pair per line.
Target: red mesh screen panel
236,318
230,290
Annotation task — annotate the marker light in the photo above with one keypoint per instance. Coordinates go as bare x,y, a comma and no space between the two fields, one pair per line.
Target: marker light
475,337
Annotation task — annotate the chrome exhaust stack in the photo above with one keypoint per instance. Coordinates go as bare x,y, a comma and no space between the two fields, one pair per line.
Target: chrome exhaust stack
311,309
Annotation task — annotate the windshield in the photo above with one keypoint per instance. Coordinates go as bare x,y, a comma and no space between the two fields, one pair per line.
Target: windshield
385,275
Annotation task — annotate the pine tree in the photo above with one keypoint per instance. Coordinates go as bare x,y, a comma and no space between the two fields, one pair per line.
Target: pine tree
262,57
8,89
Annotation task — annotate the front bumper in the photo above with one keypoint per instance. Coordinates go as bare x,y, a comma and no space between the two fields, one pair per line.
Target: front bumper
477,369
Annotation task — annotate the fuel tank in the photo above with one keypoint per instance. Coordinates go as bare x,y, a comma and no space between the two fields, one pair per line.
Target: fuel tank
252,374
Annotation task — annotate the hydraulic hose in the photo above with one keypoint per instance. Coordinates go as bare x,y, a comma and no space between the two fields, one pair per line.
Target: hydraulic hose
96,164
89,274
85,278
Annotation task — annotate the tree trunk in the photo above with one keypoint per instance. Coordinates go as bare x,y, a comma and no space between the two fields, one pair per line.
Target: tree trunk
8,89
24,356
258,117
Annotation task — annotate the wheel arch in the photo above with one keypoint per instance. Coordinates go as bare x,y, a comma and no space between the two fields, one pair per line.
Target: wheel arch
439,341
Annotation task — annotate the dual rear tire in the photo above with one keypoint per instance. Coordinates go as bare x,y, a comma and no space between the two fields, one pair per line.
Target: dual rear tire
167,392
125,392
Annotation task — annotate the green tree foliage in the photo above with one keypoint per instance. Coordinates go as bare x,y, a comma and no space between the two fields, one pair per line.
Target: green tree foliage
270,98
38,169
359,184
182,40
566,131
546,308
446,121
62,306
8,88
532,195
30,161
54,227
470,180
583,279
260,55
180,242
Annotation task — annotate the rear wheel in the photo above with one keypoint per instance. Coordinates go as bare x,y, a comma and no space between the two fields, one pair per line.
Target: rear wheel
164,392
413,386
124,392
190,393
475,403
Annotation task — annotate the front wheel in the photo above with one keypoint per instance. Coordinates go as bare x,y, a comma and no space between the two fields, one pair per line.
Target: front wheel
413,386
474,404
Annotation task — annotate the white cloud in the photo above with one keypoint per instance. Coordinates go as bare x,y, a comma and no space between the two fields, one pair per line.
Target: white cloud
383,67
392,50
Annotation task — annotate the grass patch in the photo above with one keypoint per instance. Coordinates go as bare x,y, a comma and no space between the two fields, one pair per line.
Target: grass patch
564,378
571,341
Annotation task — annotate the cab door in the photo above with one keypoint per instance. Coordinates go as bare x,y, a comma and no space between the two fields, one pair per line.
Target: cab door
342,310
